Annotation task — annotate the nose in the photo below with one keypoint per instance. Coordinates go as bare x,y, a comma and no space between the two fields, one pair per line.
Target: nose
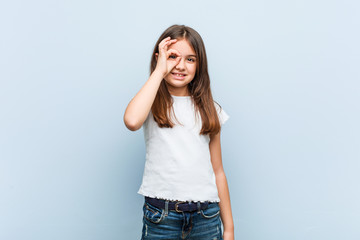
181,64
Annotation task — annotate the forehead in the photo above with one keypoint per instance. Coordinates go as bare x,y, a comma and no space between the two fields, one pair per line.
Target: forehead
183,46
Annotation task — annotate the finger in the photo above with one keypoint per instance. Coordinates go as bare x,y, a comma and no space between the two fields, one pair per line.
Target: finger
174,63
173,56
163,47
167,44
178,59
163,42
173,51
171,41
167,41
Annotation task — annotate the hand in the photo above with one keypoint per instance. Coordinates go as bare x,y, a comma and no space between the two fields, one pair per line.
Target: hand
228,235
164,63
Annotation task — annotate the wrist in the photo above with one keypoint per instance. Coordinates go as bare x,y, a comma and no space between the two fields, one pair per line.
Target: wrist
228,235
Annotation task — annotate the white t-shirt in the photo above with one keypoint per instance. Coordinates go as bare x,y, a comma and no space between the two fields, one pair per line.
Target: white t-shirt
178,164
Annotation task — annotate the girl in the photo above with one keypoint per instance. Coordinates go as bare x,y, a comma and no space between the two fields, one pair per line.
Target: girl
184,185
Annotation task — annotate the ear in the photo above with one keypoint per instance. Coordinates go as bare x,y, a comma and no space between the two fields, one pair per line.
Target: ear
156,56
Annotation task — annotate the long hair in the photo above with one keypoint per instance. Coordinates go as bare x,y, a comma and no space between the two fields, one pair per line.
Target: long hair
199,87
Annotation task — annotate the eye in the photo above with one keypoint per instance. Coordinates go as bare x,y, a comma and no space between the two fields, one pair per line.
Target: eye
191,59
172,56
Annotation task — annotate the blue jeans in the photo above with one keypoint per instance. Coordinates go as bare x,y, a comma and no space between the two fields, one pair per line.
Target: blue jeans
172,225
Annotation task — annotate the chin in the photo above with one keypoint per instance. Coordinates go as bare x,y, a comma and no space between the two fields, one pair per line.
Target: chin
177,83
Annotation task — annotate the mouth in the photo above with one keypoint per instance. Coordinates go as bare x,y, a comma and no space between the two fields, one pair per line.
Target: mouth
178,76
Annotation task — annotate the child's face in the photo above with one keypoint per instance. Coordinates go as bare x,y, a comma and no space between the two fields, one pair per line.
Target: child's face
183,73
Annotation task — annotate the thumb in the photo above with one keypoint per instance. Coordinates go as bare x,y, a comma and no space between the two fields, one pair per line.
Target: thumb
174,63
177,60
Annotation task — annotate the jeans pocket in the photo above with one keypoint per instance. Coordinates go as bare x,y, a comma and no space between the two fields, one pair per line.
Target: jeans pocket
212,211
152,213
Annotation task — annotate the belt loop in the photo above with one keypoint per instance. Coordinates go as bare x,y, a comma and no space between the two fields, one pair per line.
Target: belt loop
166,207
198,206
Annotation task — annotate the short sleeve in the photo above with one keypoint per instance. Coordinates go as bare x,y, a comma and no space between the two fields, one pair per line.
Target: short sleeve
223,116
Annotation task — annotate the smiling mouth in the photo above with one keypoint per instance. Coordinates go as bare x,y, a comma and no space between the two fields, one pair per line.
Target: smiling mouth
178,74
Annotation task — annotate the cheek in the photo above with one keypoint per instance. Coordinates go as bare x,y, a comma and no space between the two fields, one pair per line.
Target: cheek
192,69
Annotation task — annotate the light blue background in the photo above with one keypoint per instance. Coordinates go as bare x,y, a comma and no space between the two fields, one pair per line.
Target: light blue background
287,73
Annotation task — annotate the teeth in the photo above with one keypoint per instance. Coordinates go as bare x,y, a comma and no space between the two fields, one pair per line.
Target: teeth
180,75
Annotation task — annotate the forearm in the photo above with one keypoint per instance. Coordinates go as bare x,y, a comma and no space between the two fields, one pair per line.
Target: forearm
139,107
225,204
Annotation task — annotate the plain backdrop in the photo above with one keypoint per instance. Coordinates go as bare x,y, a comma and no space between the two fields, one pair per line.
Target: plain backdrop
286,71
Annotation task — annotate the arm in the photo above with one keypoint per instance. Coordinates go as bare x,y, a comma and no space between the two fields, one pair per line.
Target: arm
222,186
139,107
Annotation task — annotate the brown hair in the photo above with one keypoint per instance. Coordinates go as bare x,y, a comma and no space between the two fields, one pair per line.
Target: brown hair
199,87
